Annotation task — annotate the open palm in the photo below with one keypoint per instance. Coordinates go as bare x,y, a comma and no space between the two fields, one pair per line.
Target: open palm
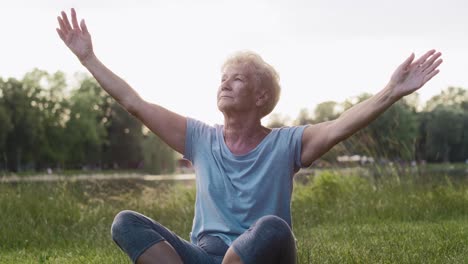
410,76
76,37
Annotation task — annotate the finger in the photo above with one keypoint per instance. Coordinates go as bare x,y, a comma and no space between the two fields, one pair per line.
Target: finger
431,60
74,20
62,25
84,28
66,22
434,66
429,76
424,57
60,33
407,62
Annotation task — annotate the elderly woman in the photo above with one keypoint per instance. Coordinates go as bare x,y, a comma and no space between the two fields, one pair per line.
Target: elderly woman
244,170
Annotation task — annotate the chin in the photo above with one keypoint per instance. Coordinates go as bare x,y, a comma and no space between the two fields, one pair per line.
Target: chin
222,106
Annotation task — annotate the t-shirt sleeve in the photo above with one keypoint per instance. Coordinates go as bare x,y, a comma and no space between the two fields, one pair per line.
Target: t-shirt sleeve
195,131
296,144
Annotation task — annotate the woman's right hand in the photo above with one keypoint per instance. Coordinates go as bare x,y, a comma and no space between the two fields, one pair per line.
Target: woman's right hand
76,37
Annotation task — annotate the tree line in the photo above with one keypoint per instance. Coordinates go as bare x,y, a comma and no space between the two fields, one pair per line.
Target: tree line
45,124
438,132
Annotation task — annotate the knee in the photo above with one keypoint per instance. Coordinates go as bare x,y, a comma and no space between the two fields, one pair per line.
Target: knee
121,223
275,227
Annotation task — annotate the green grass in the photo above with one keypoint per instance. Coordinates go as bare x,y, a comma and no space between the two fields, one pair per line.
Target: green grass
385,242
336,219
348,219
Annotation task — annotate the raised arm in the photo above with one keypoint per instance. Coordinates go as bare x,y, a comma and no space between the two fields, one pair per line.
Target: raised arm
407,78
169,126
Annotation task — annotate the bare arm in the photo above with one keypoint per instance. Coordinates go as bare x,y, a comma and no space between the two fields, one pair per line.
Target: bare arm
168,125
408,77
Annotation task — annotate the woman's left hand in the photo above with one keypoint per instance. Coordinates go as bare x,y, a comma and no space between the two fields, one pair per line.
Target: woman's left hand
412,75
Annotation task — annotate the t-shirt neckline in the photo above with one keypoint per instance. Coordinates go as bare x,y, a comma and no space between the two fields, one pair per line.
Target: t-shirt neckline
219,132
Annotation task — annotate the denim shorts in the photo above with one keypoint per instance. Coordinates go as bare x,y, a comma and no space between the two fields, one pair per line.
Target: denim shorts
269,240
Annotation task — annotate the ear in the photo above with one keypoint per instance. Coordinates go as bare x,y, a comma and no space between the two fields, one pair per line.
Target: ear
262,98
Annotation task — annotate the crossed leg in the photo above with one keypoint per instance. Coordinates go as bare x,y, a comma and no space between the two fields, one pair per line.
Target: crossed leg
161,252
269,240
147,241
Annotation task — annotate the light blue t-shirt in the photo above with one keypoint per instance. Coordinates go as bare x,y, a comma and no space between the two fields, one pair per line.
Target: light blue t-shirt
233,191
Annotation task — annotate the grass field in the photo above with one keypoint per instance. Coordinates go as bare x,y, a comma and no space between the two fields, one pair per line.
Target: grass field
336,218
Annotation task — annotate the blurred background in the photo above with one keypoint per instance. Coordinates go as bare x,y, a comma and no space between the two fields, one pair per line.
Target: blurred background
330,55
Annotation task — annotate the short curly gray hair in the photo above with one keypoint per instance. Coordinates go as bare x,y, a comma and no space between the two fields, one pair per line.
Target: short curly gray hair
265,75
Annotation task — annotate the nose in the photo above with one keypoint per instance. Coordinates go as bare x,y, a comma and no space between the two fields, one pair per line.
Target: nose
225,86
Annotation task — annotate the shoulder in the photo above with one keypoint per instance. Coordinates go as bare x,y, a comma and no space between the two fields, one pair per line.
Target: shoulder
197,125
198,130
288,136
290,131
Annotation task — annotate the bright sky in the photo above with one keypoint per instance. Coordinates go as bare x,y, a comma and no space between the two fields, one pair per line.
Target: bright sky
171,51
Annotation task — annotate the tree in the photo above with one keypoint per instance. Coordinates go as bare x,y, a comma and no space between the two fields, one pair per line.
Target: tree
451,96
123,148
303,118
158,157
20,102
326,111
85,130
53,111
395,132
277,120
444,133
391,136
5,127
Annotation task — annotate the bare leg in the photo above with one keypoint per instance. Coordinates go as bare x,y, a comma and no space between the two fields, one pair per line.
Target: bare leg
231,257
160,253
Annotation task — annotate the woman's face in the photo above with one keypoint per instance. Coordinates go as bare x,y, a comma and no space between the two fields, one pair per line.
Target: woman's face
237,91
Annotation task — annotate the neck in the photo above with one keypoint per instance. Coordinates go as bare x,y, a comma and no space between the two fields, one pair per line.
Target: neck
242,134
